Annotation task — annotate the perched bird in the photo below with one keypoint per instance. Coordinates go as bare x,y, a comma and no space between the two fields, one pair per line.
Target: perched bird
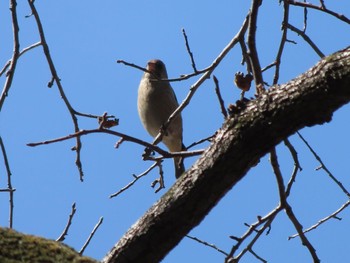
156,102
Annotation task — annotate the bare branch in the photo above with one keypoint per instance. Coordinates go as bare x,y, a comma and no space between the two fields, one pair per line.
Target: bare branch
65,231
323,166
320,222
136,178
165,154
257,256
189,51
322,4
181,78
258,233
160,180
207,139
245,55
8,63
218,94
307,39
305,19
266,221
288,208
252,52
91,236
115,133
296,168
55,77
15,54
207,244
9,189
277,62
321,8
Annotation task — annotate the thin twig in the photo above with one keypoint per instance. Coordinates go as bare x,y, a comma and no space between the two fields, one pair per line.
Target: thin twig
160,180
189,51
299,229
323,166
245,56
181,78
115,133
165,154
307,39
9,184
8,63
322,4
279,177
65,231
187,76
120,61
277,62
218,94
246,60
90,236
91,115
207,244
200,141
183,154
320,222
267,220
136,178
253,54
268,66
249,247
257,256
296,168
7,190
305,19
321,8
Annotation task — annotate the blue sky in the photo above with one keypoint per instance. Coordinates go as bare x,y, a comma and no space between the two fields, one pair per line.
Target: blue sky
85,41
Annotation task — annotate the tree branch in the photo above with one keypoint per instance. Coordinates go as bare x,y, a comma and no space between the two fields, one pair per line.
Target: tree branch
244,138
9,189
15,54
55,78
321,8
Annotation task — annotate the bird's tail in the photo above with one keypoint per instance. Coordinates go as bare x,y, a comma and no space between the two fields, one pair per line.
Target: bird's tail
179,164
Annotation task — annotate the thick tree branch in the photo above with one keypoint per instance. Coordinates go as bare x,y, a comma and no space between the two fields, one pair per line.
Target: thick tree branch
243,139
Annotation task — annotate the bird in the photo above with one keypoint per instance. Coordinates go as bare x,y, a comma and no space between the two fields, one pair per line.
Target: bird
156,102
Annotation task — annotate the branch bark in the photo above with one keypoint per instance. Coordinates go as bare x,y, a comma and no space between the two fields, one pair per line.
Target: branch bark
244,138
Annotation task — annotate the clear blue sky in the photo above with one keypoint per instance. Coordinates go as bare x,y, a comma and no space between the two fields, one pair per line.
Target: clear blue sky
85,40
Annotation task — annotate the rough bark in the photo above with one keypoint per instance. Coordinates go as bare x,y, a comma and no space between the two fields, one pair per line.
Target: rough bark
244,138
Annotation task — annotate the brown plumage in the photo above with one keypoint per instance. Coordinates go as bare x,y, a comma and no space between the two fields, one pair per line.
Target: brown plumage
156,102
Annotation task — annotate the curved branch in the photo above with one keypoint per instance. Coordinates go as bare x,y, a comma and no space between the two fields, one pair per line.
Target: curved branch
56,78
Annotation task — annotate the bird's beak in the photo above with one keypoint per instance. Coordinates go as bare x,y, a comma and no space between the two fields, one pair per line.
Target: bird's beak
151,66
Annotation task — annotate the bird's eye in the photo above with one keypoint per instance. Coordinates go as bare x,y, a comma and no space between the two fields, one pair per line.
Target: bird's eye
159,65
